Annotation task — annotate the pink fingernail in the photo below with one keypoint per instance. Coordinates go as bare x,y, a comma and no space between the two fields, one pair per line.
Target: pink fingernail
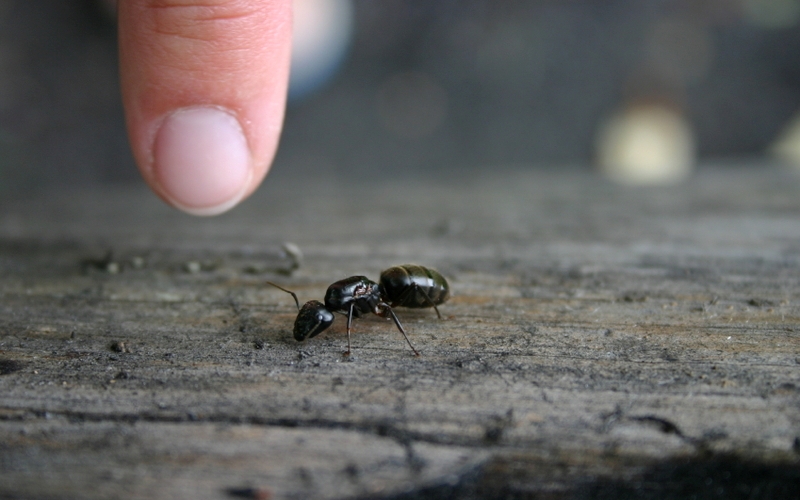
201,160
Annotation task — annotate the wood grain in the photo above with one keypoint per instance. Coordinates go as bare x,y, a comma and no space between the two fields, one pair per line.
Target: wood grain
599,341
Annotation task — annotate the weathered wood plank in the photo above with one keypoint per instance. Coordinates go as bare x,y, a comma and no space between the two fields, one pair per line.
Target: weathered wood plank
596,337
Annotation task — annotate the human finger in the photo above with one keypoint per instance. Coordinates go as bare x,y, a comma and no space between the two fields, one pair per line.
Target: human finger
204,90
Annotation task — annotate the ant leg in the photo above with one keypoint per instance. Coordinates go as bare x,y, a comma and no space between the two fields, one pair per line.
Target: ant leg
349,321
416,288
425,294
400,327
287,291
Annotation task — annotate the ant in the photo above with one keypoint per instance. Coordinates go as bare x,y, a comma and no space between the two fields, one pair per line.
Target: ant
407,285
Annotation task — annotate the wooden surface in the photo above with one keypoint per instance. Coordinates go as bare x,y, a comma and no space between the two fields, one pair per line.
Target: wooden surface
601,342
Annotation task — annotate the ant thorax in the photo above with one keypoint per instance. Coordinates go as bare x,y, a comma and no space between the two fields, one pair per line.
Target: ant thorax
363,289
356,291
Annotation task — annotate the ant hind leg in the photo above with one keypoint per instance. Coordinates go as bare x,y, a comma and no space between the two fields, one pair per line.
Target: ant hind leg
419,289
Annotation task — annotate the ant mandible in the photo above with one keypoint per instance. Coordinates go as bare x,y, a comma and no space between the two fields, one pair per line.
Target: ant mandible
407,285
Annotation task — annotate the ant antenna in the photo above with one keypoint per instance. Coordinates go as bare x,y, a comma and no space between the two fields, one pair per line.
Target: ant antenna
287,291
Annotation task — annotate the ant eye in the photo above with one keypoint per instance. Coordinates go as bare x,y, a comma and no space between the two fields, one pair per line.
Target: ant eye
312,320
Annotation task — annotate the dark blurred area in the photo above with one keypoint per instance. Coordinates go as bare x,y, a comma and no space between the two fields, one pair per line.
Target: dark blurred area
431,87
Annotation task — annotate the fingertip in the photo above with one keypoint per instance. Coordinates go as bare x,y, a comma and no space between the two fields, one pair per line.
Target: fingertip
201,160
204,88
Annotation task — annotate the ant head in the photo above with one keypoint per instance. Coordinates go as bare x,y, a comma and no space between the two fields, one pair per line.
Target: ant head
312,320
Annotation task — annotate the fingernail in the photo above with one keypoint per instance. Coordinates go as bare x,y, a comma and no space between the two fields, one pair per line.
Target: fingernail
201,160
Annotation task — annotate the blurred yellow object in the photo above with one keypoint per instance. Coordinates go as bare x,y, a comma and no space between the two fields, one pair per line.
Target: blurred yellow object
646,144
787,146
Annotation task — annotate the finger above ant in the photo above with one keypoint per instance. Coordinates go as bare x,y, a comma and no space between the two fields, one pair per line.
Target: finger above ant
204,89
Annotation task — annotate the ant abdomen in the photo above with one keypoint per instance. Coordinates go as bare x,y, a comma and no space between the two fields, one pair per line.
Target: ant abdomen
414,286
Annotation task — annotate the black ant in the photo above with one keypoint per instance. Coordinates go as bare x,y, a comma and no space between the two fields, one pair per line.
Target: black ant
400,286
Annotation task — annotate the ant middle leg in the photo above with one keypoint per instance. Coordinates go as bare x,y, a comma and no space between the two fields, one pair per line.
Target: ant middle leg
349,322
388,308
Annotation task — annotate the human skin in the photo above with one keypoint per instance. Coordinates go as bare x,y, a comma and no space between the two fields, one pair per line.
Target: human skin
204,89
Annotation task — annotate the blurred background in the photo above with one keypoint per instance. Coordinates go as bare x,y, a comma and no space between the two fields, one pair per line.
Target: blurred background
641,90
